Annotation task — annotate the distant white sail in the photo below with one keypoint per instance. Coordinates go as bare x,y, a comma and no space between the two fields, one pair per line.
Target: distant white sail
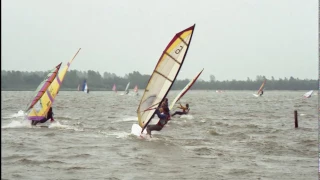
308,94
127,88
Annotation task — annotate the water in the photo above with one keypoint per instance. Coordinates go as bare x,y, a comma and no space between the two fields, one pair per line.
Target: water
230,135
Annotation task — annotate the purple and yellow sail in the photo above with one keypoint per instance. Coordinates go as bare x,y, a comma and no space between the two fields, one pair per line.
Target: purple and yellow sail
164,75
184,90
41,108
41,89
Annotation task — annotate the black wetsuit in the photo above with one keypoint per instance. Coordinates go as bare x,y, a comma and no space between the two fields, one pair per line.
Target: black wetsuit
185,110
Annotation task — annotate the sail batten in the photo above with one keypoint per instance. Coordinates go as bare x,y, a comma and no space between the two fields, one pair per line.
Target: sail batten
164,75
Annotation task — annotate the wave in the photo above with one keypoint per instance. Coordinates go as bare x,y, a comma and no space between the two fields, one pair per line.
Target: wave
18,124
27,124
15,115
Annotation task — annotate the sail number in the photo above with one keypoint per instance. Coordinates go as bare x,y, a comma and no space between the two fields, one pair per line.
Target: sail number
177,51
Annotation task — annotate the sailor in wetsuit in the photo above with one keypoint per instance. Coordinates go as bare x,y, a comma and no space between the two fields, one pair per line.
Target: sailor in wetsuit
185,110
261,93
49,116
162,121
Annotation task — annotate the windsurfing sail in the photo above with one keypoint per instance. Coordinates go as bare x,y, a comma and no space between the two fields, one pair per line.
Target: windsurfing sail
135,89
41,108
114,88
308,94
85,86
261,87
185,90
164,75
41,89
127,88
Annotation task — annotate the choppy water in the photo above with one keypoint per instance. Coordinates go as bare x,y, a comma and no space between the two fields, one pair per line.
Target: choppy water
230,135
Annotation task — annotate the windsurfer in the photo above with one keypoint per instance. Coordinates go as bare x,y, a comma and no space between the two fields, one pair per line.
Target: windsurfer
185,110
261,93
162,121
49,116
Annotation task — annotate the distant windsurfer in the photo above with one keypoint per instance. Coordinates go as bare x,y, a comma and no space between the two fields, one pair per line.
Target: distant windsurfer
185,110
162,121
49,116
261,93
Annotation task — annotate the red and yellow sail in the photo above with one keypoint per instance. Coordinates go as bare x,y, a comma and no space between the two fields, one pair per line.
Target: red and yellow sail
261,87
41,108
164,75
44,86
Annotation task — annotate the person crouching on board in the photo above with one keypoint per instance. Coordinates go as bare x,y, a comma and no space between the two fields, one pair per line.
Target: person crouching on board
49,116
162,121
185,110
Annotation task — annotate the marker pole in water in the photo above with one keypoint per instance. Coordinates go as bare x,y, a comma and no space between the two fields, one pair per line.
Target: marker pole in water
295,118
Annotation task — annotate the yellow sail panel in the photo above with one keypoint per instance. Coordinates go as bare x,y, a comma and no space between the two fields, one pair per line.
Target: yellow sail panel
164,75
184,90
40,110
262,86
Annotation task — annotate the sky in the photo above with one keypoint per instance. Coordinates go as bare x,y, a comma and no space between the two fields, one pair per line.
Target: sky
233,39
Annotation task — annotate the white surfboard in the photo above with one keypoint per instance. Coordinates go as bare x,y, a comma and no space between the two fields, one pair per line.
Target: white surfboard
136,130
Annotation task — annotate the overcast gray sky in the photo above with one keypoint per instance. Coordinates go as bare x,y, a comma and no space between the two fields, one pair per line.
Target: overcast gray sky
233,39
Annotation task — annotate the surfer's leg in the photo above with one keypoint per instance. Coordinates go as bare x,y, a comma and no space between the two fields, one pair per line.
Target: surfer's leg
177,112
41,121
157,128
34,123
153,128
148,130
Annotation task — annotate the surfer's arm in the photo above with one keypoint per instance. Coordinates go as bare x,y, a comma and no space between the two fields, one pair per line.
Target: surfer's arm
182,107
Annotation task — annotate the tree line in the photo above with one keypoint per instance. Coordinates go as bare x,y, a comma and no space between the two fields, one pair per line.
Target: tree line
25,81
